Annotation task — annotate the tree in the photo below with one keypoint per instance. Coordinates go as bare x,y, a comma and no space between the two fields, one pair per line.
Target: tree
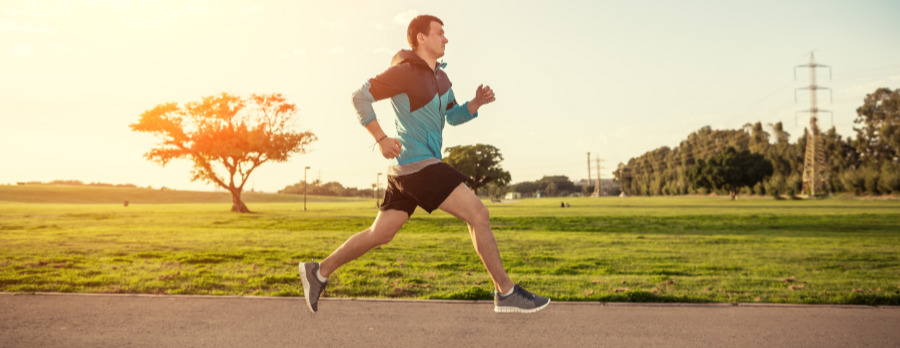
557,185
759,139
225,136
547,186
331,188
730,171
480,163
661,171
527,188
879,134
496,192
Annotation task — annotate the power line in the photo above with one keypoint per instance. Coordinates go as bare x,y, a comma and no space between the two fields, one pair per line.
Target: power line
888,69
770,113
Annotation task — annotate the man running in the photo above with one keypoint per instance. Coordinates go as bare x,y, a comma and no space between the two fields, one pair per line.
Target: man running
423,101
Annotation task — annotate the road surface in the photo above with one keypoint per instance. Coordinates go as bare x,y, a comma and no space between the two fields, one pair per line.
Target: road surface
107,320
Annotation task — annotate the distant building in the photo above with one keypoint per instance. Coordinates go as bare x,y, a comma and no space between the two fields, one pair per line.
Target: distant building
513,195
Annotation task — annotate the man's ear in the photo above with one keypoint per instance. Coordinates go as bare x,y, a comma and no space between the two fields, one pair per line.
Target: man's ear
420,37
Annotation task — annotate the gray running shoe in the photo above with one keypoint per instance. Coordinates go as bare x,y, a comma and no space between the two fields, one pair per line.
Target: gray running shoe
312,287
520,301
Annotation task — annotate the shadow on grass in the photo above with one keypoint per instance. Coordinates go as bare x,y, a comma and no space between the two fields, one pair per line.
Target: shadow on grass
477,293
799,225
762,224
635,296
472,293
868,299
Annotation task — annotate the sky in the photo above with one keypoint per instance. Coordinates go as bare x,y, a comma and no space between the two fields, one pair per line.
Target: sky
612,78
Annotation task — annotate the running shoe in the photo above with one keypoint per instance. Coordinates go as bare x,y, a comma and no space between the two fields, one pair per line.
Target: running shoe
312,287
520,301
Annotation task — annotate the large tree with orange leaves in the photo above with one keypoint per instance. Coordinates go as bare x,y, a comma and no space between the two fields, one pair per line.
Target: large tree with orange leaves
227,137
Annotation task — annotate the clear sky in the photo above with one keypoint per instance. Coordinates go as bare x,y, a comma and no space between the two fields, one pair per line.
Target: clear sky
614,78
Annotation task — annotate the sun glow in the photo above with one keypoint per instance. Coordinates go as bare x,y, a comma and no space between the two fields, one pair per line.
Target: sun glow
611,78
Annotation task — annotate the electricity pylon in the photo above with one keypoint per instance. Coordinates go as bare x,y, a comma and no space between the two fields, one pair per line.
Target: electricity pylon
815,169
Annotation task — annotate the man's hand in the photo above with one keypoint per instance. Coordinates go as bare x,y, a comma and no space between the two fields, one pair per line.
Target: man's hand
483,95
390,147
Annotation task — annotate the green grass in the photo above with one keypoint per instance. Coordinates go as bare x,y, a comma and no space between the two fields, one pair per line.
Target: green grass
609,249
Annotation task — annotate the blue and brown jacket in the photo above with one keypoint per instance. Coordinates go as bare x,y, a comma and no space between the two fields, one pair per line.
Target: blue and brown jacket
422,100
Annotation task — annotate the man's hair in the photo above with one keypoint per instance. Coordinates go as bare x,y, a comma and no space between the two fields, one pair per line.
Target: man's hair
420,24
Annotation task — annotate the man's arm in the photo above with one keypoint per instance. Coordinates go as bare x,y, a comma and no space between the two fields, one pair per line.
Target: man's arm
385,85
390,147
362,102
483,95
459,114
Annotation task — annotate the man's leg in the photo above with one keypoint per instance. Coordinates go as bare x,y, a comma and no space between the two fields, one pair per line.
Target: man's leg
465,205
386,225
510,298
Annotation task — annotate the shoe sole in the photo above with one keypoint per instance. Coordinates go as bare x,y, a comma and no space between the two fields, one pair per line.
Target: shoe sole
520,310
305,286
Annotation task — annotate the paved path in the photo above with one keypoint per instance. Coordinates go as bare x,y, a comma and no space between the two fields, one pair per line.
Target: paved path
70,320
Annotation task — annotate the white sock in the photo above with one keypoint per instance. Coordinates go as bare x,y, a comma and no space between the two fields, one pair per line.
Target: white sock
508,292
320,277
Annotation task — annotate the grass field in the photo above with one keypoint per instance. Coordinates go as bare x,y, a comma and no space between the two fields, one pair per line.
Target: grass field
686,249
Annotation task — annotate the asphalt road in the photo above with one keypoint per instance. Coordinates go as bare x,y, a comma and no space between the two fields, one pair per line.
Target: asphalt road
72,320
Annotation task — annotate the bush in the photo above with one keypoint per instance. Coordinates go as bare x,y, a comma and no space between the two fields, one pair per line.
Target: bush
889,178
853,181
795,183
871,181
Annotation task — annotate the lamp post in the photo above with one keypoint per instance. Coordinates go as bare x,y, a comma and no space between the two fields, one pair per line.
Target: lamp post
304,187
377,188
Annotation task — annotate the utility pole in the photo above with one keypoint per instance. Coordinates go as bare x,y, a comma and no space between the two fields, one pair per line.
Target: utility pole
377,189
599,187
815,170
599,178
588,181
304,187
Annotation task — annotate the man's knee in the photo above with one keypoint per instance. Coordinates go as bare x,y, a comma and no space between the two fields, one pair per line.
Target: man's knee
386,226
381,236
383,233
479,216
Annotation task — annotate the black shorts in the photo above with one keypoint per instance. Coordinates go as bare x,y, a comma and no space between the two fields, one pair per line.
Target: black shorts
427,188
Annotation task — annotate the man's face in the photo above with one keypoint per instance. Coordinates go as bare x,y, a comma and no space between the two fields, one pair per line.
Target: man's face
435,40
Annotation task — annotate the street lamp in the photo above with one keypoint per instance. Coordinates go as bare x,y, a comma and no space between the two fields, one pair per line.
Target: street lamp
377,188
304,187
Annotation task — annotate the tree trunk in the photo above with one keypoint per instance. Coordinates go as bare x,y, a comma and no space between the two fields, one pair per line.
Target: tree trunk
237,205
732,193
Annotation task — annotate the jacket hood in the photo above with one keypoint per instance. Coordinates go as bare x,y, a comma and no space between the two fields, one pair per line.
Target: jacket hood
410,57
407,56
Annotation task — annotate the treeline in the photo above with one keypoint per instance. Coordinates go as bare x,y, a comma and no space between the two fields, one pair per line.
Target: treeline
561,186
74,183
332,188
866,164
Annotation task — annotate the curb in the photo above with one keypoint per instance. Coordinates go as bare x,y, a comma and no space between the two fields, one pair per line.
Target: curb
462,302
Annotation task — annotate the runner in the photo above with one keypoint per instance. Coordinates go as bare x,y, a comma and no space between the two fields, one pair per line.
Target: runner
423,101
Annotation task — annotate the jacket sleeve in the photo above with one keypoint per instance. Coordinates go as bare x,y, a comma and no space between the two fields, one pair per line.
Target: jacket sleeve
385,85
457,114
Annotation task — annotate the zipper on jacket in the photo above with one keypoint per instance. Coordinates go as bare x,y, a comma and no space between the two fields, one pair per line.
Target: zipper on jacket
438,90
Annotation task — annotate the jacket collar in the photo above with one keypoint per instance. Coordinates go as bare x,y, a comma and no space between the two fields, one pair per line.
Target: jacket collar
408,56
